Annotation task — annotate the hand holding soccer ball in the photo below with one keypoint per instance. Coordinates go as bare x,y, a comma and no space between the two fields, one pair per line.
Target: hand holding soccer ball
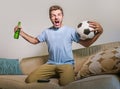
85,31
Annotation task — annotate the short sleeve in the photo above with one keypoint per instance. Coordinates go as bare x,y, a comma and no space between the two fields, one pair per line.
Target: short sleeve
42,37
75,36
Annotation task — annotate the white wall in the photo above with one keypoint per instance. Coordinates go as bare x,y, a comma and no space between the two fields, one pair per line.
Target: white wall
34,17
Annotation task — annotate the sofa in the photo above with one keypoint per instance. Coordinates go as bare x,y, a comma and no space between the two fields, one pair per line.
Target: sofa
89,80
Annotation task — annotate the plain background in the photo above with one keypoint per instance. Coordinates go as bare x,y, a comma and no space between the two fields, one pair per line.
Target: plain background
34,17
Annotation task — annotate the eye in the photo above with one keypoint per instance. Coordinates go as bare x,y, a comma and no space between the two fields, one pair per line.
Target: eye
52,15
59,14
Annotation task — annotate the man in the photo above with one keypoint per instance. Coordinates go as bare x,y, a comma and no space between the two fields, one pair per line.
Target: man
59,39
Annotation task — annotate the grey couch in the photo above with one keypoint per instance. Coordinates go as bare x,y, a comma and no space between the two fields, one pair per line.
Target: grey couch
27,65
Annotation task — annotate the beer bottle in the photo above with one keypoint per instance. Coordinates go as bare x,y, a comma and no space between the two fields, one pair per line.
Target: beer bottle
17,32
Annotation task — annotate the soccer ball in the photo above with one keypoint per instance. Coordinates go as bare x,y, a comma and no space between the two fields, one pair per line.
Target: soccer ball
85,31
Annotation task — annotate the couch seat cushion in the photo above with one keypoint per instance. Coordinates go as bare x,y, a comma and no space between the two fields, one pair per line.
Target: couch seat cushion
17,82
96,82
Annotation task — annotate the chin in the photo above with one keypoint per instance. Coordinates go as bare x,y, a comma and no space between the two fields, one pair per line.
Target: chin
57,26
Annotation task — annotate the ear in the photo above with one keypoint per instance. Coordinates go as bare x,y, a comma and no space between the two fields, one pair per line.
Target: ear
79,25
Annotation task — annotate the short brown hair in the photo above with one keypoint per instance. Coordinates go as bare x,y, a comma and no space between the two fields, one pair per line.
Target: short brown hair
55,7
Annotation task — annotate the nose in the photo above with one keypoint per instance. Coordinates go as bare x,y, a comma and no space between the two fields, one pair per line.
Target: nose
56,17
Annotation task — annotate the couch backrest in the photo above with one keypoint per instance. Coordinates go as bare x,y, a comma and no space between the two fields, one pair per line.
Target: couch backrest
83,52
29,64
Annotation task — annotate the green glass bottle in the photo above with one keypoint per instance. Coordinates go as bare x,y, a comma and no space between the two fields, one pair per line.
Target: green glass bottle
17,33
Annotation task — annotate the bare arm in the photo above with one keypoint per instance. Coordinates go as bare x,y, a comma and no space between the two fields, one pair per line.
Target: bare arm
98,28
27,37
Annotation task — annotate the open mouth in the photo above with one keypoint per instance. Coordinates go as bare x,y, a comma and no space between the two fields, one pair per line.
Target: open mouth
57,23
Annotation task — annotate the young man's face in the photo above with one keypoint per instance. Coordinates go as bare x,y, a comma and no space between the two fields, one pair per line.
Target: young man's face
56,17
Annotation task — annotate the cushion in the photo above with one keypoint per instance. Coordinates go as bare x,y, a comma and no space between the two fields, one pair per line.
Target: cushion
9,66
79,63
104,62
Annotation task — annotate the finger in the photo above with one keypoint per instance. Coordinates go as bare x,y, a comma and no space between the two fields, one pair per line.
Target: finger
16,27
93,26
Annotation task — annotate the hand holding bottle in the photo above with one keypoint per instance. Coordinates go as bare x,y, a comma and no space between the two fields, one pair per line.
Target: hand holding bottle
17,31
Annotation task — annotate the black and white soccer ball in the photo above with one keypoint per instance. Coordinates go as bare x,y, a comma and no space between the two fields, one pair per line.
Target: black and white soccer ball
85,31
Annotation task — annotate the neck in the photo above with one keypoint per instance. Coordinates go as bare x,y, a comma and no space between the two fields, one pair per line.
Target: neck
57,27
